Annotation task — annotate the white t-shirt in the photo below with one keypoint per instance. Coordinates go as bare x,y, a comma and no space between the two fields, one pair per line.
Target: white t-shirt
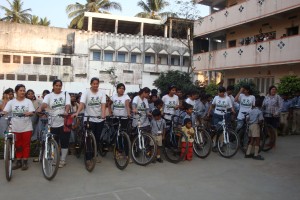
93,103
119,106
57,105
20,124
191,102
246,103
169,105
142,106
221,103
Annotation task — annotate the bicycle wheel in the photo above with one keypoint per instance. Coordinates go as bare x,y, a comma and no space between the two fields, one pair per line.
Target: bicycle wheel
90,152
143,154
202,143
8,160
230,148
50,159
78,145
174,148
269,137
244,139
122,150
101,146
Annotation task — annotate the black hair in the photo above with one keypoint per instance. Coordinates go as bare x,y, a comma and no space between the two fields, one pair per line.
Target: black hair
187,120
156,113
121,85
247,87
46,92
154,92
171,87
145,89
271,87
221,89
18,87
230,88
187,106
8,90
158,102
94,79
56,81
258,102
30,90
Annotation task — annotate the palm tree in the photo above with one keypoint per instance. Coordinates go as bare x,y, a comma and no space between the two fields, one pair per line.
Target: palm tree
16,13
34,20
152,9
44,22
76,11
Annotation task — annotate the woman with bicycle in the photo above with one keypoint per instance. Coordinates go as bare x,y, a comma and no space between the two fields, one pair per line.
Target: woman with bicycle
21,126
58,103
94,102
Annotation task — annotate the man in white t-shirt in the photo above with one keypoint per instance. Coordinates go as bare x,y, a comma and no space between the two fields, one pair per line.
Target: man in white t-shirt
171,102
192,99
246,102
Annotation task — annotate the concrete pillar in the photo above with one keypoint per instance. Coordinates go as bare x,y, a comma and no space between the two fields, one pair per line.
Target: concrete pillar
142,29
166,31
188,37
170,29
116,26
90,23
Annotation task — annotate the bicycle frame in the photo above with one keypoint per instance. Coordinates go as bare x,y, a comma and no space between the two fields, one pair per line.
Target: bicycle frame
9,135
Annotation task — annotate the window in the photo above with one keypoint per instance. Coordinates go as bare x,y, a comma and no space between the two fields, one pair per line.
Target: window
96,55
52,78
172,61
47,61
292,31
43,78
56,61
128,71
121,57
27,60
16,59
66,61
232,43
6,59
10,77
32,77
108,56
1,76
231,81
147,59
37,60
263,83
133,58
21,77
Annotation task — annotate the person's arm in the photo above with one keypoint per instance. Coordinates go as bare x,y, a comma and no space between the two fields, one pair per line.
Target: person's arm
236,99
103,109
127,107
212,106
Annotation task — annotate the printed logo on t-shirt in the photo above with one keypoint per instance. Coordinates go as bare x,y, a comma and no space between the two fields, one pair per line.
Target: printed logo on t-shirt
19,109
94,101
221,103
60,102
246,102
119,104
171,104
142,106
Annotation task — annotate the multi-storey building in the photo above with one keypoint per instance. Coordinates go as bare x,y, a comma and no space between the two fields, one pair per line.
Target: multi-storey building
137,49
248,40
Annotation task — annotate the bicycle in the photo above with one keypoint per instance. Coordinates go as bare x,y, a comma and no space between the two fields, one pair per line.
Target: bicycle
87,144
174,139
9,148
268,132
227,139
48,148
143,147
243,134
116,139
202,141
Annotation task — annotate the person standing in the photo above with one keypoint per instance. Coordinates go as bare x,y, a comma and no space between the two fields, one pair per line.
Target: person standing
21,126
296,114
58,102
171,102
94,102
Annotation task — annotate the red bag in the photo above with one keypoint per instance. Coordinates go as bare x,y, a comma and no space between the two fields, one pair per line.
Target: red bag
68,121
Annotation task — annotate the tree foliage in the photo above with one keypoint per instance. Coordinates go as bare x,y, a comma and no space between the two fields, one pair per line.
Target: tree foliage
212,89
16,13
289,85
251,84
152,9
180,79
76,11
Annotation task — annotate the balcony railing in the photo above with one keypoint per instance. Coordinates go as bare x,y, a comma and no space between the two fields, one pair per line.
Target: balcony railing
242,13
273,52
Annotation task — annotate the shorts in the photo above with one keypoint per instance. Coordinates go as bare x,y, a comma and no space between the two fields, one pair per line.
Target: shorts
254,130
158,140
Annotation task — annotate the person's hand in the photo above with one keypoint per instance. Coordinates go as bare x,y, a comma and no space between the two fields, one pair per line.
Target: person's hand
27,114
241,90
75,115
103,116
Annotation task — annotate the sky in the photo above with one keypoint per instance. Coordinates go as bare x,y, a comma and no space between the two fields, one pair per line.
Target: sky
54,10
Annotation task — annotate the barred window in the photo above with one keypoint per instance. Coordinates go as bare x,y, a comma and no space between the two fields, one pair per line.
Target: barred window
37,60
47,61
16,59
27,60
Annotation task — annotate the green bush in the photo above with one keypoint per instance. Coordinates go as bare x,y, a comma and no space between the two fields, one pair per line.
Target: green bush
289,85
252,85
212,89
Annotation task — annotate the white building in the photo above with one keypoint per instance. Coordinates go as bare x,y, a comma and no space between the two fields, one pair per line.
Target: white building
139,50
248,40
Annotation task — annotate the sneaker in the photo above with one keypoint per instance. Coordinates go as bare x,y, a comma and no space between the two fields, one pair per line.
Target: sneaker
154,161
88,164
258,157
17,165
159,160
25,165
35,160
62,163
98,159
248,156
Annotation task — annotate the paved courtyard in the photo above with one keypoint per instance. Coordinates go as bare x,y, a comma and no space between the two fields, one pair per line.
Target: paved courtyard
278,177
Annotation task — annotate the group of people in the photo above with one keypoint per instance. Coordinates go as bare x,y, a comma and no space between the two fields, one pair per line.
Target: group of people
152,110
